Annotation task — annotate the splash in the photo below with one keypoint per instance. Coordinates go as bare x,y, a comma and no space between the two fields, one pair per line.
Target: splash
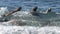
3,10
29,30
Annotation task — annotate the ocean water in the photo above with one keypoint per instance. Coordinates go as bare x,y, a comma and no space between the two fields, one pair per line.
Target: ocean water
23,23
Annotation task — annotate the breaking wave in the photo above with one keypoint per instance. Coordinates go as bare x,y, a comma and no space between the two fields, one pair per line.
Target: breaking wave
23,23
29,30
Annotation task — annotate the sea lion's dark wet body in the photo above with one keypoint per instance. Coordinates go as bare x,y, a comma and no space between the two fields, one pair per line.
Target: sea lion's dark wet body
7,17
35,14
34,11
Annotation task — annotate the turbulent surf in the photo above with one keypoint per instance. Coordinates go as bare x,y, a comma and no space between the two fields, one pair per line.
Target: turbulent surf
25,22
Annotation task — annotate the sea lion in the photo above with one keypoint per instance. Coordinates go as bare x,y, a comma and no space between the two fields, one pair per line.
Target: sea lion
34,11
48,10
18,9
9,15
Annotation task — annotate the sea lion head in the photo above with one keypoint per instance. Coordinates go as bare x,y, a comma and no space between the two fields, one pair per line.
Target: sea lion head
49,9
18,9
35,9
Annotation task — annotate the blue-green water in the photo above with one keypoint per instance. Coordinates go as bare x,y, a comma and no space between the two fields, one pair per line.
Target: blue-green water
28,4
